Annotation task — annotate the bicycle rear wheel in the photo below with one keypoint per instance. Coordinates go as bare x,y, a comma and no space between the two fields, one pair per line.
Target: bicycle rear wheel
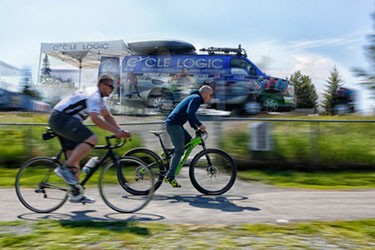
118,179
38,188
212,172
153,161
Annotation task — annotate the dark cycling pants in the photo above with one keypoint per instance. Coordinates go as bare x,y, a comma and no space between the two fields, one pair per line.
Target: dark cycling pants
179,137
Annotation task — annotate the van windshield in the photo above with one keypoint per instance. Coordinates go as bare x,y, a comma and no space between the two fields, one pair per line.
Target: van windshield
240,65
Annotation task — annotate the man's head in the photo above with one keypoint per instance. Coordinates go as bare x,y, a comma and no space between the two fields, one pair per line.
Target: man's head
206,92
105,85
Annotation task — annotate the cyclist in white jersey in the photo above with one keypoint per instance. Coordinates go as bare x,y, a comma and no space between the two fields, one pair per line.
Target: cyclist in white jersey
76,138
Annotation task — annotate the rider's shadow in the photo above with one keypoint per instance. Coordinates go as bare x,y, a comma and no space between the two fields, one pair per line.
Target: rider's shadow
74,215
84,215
223,203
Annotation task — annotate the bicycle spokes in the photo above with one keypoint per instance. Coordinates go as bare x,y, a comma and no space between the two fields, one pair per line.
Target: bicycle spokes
127,185
38,188
212,172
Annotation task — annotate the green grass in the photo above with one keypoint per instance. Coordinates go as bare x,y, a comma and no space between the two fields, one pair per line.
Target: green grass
24,117
7,177
313,180
293,179
359,234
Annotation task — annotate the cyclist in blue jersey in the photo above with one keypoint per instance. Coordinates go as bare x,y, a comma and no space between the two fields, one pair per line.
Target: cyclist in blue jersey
182,113
77,139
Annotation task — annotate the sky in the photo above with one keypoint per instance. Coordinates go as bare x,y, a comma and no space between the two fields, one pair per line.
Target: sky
280,36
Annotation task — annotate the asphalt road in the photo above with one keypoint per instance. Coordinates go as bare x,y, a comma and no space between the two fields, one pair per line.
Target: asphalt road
244,203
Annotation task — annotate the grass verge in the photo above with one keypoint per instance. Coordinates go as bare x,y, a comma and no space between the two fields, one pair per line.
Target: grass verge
313,180
359,234
292,179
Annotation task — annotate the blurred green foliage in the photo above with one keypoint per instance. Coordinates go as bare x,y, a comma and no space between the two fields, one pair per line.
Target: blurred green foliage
296,145
21,142
306,145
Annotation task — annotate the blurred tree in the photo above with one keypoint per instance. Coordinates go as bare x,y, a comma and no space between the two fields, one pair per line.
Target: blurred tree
54,88
47,79
45,74
46,70
369,75
330,95
27,84
305,91
27,90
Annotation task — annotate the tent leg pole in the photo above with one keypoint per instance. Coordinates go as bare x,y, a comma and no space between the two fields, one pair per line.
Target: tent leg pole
79,84
38,74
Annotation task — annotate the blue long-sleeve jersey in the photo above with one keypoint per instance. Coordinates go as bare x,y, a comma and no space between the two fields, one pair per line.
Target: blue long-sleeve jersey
185,111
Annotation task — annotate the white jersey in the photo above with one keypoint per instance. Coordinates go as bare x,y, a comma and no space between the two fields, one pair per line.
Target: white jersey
81,103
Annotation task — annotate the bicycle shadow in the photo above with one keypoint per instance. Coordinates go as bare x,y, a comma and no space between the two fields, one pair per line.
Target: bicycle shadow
85,215
224,203
81,219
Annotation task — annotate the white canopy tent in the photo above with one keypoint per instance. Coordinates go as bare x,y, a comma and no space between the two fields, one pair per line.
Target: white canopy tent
83,54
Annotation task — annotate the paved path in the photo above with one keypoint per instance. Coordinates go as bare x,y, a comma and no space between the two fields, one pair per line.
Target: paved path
244,203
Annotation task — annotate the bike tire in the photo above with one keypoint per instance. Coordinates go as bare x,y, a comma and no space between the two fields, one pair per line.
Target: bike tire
212,172
153,161
117,178
38,188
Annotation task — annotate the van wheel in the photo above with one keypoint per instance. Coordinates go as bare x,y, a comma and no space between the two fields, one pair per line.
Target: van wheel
162,103
270,105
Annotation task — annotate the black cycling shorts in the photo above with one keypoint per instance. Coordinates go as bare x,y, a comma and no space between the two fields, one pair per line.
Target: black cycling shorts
71,131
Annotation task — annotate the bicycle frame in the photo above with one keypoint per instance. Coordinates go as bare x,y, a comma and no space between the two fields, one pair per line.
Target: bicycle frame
198,140
102,159
188,149
109,154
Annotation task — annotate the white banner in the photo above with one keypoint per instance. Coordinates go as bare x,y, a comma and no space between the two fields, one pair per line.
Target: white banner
117,45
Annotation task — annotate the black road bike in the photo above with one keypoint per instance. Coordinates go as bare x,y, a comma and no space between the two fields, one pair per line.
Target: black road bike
40,190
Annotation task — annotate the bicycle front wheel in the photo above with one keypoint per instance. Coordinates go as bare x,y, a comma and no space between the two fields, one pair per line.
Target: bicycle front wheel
38,188
212,172
117,180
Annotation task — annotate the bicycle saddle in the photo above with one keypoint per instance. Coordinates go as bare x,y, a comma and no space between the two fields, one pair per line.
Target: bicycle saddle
157,133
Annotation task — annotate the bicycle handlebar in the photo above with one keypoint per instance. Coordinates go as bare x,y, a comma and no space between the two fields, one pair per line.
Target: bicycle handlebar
200,133
108,138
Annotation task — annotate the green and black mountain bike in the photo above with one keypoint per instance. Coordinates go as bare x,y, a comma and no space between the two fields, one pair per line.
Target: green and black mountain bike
212,171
